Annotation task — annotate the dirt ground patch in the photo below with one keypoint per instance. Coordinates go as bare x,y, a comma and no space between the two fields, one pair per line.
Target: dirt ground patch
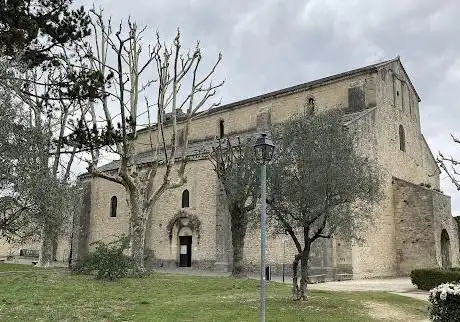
388,312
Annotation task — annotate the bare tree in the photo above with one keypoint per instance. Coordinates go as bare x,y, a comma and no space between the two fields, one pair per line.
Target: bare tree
236,169
450,165
180,91
319,184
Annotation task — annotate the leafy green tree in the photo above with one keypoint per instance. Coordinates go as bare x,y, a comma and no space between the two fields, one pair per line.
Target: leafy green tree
33,30
44,70
30,195
236,169
319,184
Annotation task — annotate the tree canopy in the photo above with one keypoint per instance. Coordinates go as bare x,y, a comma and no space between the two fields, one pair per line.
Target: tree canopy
319,183
235,165
32,29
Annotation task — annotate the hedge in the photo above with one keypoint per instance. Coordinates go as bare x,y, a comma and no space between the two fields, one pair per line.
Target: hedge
426,279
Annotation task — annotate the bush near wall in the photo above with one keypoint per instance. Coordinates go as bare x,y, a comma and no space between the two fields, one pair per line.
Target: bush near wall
108,260
427,279
445,303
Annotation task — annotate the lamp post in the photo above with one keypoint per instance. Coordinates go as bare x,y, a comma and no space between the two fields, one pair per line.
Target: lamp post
264,152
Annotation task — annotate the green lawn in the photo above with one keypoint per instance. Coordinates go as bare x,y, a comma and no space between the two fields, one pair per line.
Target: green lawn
15,267
58,296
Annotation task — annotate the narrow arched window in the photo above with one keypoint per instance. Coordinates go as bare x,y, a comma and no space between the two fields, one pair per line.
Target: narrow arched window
113,206
221,129
402,138
185,199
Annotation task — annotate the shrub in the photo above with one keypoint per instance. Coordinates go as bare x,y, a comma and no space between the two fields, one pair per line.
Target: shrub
108,261
426,279
445,303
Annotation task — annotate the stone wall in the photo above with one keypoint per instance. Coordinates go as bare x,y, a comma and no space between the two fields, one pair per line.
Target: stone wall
414,221
420,216
14,248
202,186
243,117
391,102
397,105
443,220
224,248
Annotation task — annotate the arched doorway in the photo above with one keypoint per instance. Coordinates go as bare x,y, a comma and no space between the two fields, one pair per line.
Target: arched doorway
185,247
184,232
445,249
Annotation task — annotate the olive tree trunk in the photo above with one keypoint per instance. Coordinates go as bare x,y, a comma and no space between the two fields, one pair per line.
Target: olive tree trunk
299,290
238,235
46,246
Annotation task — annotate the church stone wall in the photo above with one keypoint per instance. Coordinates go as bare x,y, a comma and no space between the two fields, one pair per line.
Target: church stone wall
415,223
420,216
279,247
14,249
397,105
443,220
391,102
202,186
244,117
101,225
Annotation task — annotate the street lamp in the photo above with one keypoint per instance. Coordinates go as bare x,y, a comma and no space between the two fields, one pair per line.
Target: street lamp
264,148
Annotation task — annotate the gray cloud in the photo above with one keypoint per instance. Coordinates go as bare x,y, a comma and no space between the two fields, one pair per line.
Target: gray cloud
270,44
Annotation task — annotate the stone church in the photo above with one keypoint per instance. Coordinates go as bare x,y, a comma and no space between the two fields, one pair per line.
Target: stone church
412,227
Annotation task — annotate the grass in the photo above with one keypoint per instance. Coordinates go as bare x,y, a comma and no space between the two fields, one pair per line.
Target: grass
15,267
25,267
54,296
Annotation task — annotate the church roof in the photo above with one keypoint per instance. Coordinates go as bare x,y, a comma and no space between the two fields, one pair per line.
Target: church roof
199,149
305,86
308,85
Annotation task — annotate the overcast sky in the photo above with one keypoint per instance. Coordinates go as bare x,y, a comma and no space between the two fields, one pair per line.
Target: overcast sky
271,44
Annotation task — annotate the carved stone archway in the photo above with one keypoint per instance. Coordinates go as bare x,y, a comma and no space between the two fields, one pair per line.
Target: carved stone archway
184,236
183,219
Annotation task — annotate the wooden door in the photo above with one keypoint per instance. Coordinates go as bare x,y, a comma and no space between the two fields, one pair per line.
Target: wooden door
185,251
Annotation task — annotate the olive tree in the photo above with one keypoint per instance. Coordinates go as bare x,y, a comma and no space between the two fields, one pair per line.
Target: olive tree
319,184
31,195
43,73
235,165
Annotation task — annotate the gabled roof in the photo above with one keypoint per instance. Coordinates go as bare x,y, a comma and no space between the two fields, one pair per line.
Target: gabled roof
305,86
308,85
431,153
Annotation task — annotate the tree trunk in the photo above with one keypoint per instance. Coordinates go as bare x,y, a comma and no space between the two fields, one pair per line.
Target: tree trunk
55,241
295,285
46,247
238,235
304,271
138,228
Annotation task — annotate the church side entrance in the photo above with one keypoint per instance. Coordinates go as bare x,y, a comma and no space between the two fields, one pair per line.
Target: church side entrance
185,251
